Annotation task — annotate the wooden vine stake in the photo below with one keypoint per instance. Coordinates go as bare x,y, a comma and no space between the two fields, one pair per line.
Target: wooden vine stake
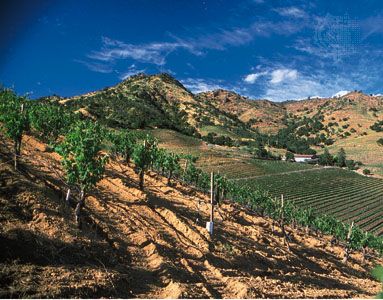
282,224
347,249
364,250
185,169
67,196
210,224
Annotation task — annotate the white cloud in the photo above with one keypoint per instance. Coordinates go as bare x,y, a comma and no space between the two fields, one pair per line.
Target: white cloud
132,70
154,53
157,52
251,78
281,75
340,94
320,84
291,11
96,66
198,85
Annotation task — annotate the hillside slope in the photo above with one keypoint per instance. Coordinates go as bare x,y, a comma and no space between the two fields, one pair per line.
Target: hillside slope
347,122
153,244
150,101
262,114
160,101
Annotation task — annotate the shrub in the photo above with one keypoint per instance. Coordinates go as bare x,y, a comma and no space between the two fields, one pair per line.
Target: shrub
289,156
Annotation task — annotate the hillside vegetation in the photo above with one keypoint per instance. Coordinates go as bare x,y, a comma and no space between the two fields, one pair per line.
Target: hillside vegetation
226,118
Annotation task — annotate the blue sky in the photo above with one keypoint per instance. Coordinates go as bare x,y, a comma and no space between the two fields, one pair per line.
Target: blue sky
276,50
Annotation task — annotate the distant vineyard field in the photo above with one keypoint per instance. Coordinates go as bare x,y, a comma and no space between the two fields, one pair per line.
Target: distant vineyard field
177,142
343,194
244,168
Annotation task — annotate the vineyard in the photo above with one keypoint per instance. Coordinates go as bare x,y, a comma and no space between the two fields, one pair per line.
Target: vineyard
343,194
237,168
88,154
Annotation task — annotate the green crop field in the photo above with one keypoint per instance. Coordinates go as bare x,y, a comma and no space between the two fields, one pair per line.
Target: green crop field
344,194
244,168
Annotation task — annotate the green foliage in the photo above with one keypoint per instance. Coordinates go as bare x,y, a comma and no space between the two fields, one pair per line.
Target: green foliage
326,159
289,156
377,273
366,172
145,152
14,120
341,158
123,143
13,117
223,140
377,126
167,163
50,120
144,156
380,141
137,103
81,151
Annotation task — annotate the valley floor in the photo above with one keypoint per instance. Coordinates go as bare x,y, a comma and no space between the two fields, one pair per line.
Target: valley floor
153,244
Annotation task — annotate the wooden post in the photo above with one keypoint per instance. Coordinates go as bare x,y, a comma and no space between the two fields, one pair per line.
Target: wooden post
78,209
282,204
210,224
212,197
347,250
285,237
67,196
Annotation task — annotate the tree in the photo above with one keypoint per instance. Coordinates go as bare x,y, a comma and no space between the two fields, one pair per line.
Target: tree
144,156
366,172
289,156
14,119
326,158
82,159
341,158
351,164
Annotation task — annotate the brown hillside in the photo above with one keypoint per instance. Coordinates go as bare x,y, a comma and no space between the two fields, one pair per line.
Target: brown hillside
153,244
353,114
263,114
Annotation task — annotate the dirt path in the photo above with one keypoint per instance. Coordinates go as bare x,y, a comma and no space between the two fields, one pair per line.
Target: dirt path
170,255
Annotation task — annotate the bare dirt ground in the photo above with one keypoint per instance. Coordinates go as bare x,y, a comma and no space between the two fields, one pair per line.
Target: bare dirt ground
152,243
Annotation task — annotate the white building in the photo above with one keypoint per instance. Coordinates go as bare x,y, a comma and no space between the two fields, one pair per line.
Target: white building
305,158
